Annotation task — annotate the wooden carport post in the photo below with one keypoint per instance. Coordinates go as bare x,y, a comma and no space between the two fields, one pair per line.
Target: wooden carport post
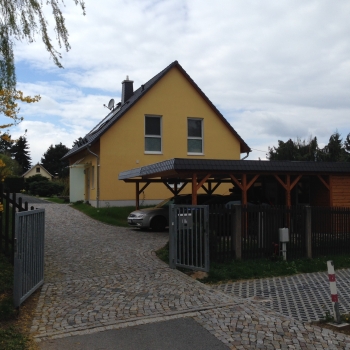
244,186
196,186
138,191
137,196
288,186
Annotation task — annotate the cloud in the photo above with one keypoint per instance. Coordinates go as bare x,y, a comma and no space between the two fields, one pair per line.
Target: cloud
276,70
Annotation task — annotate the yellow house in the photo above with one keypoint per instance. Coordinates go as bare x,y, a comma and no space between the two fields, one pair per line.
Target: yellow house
167,117
37,169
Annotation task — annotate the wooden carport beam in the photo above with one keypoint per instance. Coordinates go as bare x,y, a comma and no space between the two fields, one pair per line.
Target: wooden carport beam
210,189
244,186
176,190
196,186
329,188
324,182
288,186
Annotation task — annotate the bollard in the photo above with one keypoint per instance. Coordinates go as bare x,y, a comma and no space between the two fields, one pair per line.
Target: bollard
334,294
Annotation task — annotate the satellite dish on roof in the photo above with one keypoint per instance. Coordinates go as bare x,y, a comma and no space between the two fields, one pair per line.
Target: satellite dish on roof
110,104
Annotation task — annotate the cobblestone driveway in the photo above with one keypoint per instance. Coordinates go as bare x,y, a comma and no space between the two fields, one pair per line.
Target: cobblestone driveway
100,277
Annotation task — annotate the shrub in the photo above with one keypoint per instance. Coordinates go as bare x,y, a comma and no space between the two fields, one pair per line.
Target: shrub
14,184
45,188
36,178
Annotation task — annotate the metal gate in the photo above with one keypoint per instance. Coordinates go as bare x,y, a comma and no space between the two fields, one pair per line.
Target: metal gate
189,237
29,254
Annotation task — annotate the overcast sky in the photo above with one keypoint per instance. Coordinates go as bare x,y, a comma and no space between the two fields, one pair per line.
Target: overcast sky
275,69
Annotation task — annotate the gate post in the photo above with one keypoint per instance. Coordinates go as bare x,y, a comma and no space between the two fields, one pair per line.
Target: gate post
308,240
172,236
238,231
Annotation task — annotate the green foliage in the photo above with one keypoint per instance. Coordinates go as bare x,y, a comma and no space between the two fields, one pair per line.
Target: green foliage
36,178
20,152
52,160
264,268
23,19
116,216
11,339
11,168
45,188
163,253
14,183
64,182
295,150
335,151
5,144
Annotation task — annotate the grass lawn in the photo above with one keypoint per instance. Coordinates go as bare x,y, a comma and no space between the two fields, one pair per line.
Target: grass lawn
55,200
13,325
263,268
116,216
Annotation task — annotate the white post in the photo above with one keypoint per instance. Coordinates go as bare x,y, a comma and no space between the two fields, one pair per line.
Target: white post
284,251
334,294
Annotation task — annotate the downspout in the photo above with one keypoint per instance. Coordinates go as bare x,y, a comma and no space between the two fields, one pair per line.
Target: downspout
98,177
246,156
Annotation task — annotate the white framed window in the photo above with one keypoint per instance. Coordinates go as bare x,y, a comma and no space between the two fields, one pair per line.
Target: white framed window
194,136
153,134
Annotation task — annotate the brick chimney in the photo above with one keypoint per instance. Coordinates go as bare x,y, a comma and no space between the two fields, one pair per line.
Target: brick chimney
127,89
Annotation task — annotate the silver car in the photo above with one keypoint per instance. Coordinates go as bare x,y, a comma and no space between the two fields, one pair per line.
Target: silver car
157,218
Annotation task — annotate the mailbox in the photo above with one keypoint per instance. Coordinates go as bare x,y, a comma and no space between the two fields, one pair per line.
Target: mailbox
284,234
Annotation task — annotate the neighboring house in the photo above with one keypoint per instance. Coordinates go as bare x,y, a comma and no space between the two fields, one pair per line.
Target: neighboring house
37,169
167,117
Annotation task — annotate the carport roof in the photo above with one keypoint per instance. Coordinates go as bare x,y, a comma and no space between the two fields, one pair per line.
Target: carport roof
183,167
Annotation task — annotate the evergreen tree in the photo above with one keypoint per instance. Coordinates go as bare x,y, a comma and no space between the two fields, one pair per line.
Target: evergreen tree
52,161
20,152
295,150
347,148
334,151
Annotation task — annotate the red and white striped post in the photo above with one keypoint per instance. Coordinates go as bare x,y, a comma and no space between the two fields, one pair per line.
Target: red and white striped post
334,294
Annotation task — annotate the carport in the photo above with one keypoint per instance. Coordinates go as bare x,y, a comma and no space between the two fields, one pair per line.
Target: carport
330,181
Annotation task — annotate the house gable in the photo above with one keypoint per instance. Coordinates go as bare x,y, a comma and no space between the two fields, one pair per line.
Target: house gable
117,113
174,99
37,169
118,141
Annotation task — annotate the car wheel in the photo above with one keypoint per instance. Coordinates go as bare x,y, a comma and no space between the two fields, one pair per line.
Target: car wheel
158,224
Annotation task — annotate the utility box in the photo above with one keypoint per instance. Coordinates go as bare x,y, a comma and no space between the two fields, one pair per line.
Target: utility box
283,234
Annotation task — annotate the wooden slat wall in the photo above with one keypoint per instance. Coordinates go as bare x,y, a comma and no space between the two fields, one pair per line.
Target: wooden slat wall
341,191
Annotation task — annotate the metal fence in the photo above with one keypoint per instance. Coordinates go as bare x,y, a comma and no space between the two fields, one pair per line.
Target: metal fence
189,237
330,231
29,254
251,232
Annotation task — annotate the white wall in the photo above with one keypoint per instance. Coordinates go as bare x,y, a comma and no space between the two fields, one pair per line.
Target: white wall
76,184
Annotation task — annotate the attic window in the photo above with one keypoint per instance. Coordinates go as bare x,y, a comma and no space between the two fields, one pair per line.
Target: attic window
194,136
38,169
153,134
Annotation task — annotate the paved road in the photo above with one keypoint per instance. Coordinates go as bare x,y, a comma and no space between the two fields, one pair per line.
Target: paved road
30,199
104,287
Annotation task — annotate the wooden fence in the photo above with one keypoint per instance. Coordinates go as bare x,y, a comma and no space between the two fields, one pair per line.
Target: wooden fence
252,232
